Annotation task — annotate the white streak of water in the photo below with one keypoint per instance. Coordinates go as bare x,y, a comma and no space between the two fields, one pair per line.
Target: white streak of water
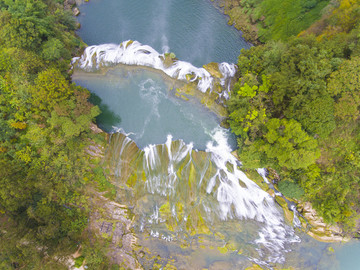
156,180
134,53
228,71
249,202
292,206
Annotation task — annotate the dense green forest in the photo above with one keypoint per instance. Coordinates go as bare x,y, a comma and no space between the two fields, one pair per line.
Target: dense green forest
265,20
45,128
295,109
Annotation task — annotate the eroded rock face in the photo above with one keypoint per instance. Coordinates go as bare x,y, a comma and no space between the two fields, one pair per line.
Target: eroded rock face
318,228
111,221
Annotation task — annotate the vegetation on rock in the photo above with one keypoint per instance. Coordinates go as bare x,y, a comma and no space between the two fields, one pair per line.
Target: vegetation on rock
265,20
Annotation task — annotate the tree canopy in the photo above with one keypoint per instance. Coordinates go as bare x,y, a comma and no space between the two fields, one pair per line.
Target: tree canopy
295,108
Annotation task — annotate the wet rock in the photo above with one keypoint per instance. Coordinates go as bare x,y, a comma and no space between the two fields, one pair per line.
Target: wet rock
95,128
213,69
318,228
76,11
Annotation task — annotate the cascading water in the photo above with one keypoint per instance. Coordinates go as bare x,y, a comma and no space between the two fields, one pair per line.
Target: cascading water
291,205
173,174
187,194
249,202
134,53
210,183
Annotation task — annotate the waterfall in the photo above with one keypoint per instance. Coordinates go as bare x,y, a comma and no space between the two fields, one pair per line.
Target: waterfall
134,53
211,179
228,71
249,202
159,163
291,205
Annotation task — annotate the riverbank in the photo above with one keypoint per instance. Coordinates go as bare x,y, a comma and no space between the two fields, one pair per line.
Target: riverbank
240,17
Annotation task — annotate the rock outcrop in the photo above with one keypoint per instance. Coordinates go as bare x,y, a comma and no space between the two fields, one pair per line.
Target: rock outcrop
316,226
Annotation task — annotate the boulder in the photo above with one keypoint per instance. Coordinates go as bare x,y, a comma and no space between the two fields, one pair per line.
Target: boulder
76,11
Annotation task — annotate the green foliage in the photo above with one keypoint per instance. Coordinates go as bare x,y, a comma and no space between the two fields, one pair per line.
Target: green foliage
45,124
24,24
318,116
250,106
79,261
344,87
291,189
95,257
50,88
283,145
309,131
292,147
247,91
284,19
52,49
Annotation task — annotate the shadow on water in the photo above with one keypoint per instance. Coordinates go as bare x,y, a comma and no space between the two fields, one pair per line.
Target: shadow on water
107,119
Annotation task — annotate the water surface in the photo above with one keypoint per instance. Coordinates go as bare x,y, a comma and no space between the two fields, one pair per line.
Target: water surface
194,30
142,103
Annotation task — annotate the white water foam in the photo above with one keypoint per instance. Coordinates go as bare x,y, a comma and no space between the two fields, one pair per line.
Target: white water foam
156,181
292,206
250,202
228,71
134,53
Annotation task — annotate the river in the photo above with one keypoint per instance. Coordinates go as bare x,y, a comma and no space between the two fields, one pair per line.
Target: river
170,158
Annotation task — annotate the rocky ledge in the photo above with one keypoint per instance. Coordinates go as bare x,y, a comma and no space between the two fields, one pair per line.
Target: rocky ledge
317,228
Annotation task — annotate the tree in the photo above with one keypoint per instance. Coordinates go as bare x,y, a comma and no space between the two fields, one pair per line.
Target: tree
24,24
52,49
344,87
50,88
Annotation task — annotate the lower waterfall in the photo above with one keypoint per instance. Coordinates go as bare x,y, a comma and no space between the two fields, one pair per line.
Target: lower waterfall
180,193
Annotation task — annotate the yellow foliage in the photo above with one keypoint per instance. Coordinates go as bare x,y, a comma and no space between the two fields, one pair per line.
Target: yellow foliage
18,125
24,154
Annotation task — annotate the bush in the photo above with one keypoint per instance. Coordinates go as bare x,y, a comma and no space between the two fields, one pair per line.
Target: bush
79,261
291,189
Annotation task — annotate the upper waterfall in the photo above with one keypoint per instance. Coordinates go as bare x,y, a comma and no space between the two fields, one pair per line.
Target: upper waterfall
134,53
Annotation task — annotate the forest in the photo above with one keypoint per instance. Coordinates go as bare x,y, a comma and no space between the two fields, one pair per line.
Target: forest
295,110
45,127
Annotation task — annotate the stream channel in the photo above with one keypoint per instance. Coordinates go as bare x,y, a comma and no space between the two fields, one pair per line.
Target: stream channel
170,158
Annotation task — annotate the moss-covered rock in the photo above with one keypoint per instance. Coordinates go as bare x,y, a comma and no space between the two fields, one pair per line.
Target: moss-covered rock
213,69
